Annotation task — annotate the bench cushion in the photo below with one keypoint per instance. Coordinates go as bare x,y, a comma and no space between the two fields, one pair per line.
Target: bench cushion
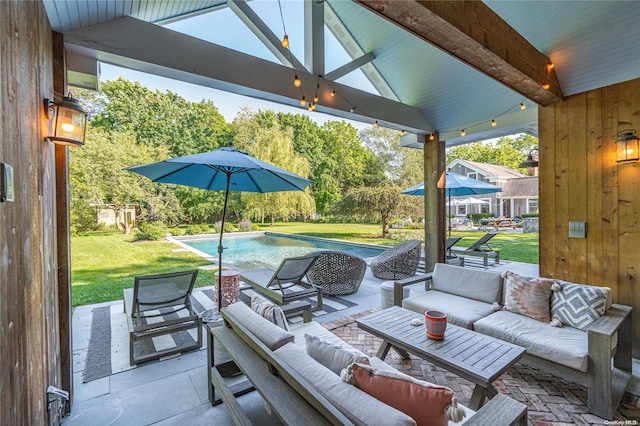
566,345
460,311
269,334
483,286
360,408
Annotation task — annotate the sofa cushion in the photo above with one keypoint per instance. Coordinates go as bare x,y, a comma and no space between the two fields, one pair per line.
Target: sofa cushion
426,403
483,286
315,329
335,357
578,305
460,311
566,345
269,310
359,407
267,332
530,296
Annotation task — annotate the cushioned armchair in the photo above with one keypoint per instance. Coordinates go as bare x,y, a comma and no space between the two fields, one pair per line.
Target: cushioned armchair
398,262
337,272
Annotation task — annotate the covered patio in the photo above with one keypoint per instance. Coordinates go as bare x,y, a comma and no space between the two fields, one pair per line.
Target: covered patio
443,73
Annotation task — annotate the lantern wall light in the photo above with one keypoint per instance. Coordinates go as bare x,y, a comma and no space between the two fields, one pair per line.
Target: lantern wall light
628,146
68,121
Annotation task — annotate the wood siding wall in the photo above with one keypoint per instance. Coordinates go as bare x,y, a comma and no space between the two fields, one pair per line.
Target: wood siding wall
581,181
29,341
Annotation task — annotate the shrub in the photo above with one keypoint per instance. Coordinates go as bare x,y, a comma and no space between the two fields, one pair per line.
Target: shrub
475,217
245,225
530,215
150,231
228,227
196,229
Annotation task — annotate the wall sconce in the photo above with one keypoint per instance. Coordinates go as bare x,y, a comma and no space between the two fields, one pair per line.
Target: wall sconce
69,121
529,161
628,146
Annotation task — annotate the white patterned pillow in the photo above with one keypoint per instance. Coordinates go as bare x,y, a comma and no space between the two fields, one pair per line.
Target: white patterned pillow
270,311
578,305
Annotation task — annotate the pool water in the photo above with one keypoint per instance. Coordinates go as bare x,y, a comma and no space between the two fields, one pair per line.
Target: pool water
268,251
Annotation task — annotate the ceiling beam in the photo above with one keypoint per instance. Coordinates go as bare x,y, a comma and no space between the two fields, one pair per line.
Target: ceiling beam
473,33
314,37
149,48
351,66
264,33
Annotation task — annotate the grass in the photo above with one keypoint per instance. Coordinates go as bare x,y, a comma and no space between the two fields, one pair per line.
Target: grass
105,263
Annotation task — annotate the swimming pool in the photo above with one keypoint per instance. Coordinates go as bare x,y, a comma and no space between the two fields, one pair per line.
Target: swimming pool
266,250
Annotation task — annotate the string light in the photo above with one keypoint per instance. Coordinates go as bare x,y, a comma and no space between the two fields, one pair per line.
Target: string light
310,107
522,106
285,41
352,110
401,132
296,81
545,84
333,93
493,123
463,133
303,101
375,123
550,66
432,137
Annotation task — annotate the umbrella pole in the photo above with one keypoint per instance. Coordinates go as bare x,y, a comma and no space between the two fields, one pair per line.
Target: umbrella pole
220,248
449,211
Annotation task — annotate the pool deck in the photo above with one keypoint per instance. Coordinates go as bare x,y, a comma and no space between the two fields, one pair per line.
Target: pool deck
174,391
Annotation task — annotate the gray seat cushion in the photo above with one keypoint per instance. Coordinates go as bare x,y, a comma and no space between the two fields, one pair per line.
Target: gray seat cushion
359,407
483,286
564,345
269,334
460,311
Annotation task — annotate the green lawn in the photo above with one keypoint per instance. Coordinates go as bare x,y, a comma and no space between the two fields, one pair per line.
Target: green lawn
104,263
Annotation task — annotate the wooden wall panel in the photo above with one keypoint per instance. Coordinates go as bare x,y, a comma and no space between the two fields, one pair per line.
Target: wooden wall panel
577,152
28,305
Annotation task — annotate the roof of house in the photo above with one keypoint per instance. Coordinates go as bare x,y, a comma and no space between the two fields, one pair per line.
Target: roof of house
524,187
490,170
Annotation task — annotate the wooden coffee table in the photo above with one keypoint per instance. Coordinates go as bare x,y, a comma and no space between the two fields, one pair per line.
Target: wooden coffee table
478,358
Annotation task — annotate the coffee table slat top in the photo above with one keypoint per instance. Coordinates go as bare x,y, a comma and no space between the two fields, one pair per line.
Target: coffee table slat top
469,354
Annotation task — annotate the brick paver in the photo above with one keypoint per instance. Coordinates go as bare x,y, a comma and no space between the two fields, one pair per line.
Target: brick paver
551,401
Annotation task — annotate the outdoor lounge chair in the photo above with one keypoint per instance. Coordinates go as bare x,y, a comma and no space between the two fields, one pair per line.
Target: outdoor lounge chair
481,248
288,282
158,305
337,272
452,258
398,262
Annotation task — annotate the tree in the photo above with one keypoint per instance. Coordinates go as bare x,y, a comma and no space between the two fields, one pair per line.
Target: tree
97,178
268,142
380,202
401,166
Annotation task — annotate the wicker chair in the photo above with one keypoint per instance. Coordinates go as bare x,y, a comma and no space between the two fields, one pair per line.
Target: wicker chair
398,262
337,272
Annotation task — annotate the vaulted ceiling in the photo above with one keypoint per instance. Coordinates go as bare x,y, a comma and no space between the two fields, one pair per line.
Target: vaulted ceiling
436,66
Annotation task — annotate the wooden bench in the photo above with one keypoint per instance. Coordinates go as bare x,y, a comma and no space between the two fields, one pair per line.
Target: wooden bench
291,397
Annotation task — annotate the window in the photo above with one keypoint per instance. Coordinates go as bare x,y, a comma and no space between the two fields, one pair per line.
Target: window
533,205
485,208
473,175
461,210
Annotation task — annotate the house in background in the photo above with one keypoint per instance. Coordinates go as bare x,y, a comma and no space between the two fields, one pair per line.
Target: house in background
491,203
519,196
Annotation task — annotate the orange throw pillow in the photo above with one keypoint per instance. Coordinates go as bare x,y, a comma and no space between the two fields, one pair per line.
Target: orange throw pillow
426,403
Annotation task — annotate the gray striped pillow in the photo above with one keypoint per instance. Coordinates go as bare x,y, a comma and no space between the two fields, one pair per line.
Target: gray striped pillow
269,310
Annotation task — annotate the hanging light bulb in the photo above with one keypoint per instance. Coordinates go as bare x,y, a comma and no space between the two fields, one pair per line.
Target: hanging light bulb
296,81
333,93
402,132
310,107
315,99
352,110
550,66
303,101
545,84
375,123
523,106
285,41
493,123
432,137
463,133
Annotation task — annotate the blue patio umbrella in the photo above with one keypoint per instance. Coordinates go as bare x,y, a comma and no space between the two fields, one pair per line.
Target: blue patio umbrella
456,185
225,169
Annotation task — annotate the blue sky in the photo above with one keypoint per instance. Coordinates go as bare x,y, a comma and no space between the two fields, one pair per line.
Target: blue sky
225,28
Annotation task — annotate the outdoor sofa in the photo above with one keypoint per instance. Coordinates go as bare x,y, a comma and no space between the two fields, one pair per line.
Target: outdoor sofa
573,331
298,374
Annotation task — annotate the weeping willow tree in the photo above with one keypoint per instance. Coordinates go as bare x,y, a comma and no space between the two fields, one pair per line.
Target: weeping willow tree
275,146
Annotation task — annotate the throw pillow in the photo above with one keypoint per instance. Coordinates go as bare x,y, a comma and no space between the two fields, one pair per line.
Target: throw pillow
269,310
528,296
335,357
426,403
578,305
